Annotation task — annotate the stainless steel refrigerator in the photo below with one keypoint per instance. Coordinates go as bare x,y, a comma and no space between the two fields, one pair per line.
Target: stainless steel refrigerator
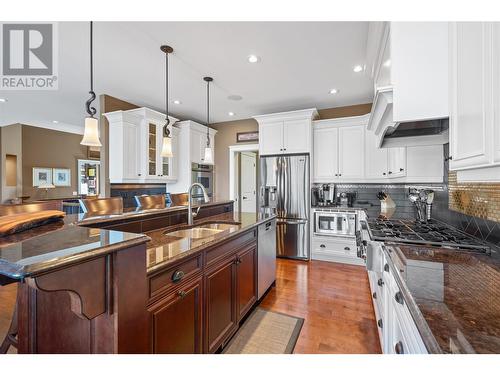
285,191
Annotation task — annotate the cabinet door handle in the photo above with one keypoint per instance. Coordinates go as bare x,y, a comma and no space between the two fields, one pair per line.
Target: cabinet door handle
380,282
340,174
380,324
374,295
138,174
336,174
386,267
384,174
347,248
322,246
401,169
177,276
390,172
181,293
398,348
399,298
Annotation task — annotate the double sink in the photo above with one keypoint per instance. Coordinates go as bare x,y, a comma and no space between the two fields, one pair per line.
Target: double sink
203,230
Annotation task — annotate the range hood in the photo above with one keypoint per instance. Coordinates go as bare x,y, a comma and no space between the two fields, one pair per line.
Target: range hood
400,134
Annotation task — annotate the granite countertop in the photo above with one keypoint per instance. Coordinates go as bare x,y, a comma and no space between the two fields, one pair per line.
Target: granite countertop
134,212
66,241
163,249
453,296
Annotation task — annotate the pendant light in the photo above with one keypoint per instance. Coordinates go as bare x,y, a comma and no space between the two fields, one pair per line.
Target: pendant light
209,154
166,148
91,133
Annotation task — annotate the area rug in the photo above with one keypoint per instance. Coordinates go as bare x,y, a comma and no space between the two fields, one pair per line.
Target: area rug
266,332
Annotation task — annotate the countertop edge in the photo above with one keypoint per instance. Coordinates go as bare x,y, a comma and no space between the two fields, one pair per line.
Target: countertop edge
158,267
423,328
49,266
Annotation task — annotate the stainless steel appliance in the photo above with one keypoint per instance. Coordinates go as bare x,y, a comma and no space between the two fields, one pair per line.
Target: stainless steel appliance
432,232
266,258
331,222
285,191
202,174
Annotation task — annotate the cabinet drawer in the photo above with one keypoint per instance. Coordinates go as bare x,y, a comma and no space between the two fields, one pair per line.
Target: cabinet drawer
344,247
165,280
219,252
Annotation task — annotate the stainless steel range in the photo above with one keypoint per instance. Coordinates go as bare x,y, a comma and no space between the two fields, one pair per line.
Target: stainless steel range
432,232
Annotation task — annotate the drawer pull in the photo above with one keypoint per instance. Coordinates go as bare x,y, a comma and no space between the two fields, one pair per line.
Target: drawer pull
398,348
380,324
380,282
177,276
181,293
374,295
386,267
399,298
322,246
347,248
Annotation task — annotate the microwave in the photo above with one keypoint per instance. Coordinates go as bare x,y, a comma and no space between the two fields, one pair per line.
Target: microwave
335,223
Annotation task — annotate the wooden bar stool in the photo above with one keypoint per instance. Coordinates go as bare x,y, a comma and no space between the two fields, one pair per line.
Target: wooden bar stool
11,336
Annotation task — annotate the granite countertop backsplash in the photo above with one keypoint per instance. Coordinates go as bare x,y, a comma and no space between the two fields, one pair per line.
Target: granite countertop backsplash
456,292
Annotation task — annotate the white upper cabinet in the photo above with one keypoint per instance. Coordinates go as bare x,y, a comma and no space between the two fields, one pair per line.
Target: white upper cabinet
474,100
351,152
419,70
286,132
325,160
271,138
339,150
425,163
396,162
136,138
375,158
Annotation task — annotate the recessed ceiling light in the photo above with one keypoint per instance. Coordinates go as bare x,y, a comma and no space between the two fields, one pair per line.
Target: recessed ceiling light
3,100
177,102
235,97
334,91
358,68
387,62
230,113
55,122
253,59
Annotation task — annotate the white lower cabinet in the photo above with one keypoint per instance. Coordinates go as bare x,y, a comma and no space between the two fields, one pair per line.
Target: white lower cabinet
335,249
398,333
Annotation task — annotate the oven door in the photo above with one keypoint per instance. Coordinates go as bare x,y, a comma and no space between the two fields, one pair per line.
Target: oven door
204,178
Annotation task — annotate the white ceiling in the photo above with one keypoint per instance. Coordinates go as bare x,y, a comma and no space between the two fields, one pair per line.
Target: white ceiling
300,63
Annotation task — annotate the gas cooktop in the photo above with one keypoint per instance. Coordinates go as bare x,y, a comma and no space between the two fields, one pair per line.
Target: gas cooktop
428,233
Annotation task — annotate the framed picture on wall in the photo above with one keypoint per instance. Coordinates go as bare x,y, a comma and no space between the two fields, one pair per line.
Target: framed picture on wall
61,176
42,176
247,137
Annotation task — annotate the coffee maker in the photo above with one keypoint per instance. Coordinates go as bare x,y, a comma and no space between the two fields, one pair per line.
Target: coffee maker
323,195
345,199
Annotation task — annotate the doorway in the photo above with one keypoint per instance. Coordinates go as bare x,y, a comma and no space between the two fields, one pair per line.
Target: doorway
243,167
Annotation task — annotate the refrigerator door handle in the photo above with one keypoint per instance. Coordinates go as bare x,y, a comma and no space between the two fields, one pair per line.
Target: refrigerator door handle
291,222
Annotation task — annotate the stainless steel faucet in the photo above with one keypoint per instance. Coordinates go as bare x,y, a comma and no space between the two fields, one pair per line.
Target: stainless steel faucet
192,214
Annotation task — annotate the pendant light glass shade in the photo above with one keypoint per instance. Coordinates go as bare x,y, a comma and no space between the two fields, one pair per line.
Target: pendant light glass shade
209,155
166,148
91,133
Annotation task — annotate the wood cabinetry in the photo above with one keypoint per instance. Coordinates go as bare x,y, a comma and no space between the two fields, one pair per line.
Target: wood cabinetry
135,148
212,292
474,92
177,321
285,133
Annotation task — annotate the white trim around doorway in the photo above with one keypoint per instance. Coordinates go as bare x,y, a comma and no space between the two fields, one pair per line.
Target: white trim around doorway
232,152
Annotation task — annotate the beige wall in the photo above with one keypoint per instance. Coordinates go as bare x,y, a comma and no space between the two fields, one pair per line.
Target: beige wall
11,144
226,136
51,149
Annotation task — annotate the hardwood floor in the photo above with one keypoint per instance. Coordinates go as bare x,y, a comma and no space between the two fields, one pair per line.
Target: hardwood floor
333,298
335,301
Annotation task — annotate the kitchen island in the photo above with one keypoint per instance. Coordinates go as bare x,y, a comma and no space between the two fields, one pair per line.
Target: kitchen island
92,285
